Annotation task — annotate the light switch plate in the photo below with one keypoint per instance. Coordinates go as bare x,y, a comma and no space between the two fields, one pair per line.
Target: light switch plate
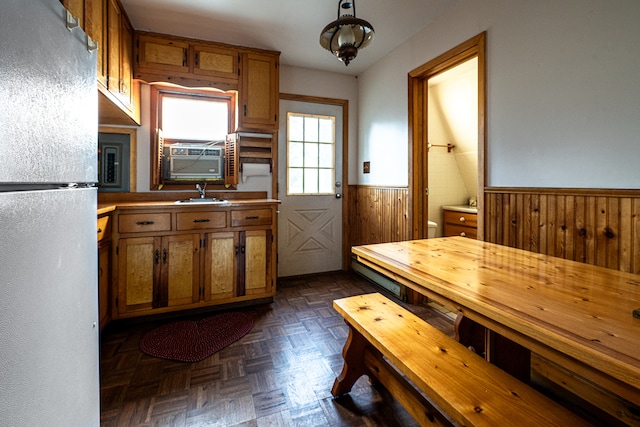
366,167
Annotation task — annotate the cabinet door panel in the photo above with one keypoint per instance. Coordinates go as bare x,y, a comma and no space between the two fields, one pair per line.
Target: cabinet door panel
161,55
259,92
137,259
126,70
113,38
215,62
220,266
180,267
256,261
95,25
104,280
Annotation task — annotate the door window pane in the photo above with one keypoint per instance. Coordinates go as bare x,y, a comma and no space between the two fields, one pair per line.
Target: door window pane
310,154
326,130
326,156
325,181
296,154
294,183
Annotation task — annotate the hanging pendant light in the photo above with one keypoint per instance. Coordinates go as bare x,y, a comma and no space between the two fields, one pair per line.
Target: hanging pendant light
344,36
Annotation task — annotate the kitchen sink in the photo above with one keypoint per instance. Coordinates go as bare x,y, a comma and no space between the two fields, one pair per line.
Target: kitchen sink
201,201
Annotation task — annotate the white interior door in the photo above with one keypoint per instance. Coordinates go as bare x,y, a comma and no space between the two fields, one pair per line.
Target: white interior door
310,188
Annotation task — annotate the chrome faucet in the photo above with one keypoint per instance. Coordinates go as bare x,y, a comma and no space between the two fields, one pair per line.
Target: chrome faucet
201,189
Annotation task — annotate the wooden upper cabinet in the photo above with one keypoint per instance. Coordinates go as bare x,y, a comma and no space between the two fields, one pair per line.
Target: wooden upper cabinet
186,62
106,23
215,61
161,56
126,64
120,39
95,25
254,73
259,92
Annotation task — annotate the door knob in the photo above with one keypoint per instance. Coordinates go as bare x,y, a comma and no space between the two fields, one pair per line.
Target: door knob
338,195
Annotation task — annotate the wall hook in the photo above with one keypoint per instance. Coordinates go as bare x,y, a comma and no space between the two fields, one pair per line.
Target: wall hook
91,44
72,21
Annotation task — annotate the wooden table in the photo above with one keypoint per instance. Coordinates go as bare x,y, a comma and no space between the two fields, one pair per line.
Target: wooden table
576,315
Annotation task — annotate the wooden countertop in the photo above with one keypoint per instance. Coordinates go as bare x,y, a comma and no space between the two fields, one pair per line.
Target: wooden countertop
461,208
107,207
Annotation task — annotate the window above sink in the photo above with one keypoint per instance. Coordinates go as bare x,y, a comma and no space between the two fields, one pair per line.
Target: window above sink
189,128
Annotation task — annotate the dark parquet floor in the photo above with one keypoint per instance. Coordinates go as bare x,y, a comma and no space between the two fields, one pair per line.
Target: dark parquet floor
279,374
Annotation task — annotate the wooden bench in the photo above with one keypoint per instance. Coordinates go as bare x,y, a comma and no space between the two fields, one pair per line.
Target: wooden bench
460,386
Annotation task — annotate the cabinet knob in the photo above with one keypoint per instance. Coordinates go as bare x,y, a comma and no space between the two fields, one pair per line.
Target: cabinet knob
463,234
462,219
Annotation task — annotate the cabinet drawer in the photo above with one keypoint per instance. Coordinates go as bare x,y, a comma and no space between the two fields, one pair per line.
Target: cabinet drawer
461,218
201,220
104,227
460,230
251,217
141,223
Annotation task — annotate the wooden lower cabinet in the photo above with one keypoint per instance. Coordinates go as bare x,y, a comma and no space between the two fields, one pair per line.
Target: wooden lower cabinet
220,266
237,265
256,263
136,273
179,276
104,278
169,261
104,269
157,272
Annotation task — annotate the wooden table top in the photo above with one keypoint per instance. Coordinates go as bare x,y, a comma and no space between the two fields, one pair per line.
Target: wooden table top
563,310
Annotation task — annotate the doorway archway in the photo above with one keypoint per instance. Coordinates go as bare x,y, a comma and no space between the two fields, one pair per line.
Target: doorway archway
418,129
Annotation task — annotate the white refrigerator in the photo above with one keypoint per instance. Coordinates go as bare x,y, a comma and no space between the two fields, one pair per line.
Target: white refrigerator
49,334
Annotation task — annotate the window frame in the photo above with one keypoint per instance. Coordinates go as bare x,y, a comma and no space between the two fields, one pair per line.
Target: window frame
157,93
304,167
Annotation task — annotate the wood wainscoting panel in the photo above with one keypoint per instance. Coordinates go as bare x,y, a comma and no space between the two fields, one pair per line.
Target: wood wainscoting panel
599,227
378,215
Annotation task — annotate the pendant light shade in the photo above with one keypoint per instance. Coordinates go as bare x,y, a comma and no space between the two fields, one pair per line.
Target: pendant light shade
347,34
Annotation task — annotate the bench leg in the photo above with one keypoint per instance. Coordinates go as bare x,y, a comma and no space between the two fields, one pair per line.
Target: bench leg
353,355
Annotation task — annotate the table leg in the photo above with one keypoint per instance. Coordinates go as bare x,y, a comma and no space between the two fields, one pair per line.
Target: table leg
470,334
502,352
508,356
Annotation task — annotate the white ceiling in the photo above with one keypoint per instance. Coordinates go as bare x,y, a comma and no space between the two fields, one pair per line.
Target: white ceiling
290,26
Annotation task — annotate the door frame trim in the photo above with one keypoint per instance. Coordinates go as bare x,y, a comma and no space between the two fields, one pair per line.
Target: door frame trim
345,160
418,129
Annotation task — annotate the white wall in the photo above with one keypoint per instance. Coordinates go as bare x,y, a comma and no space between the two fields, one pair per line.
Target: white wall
563,99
